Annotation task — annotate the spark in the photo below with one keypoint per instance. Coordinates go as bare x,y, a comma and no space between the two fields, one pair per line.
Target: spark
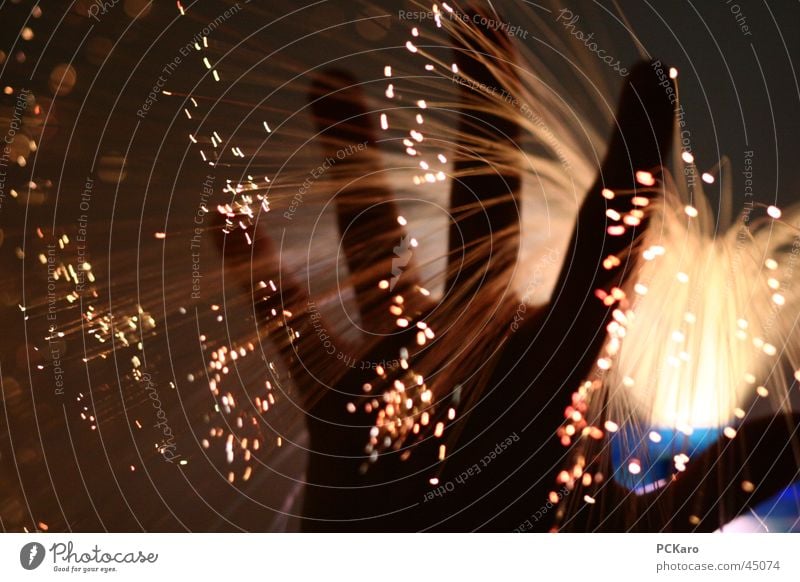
645,178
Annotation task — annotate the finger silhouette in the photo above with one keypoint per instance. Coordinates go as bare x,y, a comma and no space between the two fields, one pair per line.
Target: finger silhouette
280,304
640,142
373,240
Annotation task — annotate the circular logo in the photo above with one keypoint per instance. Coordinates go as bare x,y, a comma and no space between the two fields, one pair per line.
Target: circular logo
31,555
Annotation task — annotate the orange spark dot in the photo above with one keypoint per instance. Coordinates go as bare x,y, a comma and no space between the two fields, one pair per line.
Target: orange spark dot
645,178
610,262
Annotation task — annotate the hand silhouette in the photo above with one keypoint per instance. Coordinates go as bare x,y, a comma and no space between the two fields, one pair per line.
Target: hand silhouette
503,450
